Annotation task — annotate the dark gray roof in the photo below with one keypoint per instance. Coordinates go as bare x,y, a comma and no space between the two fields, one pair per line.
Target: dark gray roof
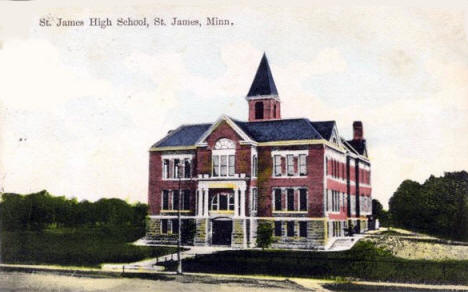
185,135
263,83
279,130
359,145
325,128
348,146
264,131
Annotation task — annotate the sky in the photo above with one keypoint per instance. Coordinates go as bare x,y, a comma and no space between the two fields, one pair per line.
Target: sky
80,107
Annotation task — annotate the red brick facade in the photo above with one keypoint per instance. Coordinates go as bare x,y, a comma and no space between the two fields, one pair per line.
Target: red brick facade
309,189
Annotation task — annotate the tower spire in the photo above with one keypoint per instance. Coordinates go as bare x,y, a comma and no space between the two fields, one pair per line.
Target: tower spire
264,103
263,83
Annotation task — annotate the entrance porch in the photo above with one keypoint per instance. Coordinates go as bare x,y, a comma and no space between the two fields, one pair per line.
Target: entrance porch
220,213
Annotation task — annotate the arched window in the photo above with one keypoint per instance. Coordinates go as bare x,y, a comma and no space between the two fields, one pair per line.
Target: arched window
274,111
259,110
222,202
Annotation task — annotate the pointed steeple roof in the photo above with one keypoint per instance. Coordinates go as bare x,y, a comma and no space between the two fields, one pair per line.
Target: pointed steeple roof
263,83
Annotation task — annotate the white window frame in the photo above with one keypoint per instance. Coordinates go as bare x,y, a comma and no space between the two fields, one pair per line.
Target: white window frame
254,166
162,199
230,206
176,169
165,168
254,200
171,159
302,164
306,201
230,162
274,199
277,171
290,165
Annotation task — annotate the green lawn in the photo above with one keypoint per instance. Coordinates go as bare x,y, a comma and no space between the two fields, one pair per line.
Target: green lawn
88,247
363,261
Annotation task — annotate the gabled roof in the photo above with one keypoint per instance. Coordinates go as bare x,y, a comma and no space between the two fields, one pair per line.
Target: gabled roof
263,83
185,135
359,146
325,128
349,147
280,130
263,131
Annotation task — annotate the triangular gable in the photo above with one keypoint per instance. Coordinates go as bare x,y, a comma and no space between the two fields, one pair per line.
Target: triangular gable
335,136
349,147
245,138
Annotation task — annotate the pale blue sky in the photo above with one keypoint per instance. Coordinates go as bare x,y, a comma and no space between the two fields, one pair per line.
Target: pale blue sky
91,101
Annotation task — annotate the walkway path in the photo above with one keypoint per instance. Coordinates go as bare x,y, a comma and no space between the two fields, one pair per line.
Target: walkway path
150,264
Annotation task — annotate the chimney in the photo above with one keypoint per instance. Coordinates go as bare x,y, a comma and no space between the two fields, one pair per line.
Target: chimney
358,131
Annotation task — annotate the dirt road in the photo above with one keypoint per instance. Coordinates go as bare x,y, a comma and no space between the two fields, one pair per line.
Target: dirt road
20,281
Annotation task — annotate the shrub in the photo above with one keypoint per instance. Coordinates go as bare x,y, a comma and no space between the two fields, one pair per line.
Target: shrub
264,235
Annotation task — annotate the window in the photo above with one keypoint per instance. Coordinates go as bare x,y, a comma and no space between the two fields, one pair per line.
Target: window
303,229
278,199
223,165
176,168
274,111
231,202
222,202
277,165
164,226
302,164
290,199
302,199
187,169
165,200
166,168
278,228
175,200
223,158
214,203
175,226
336,201
259,110
215,165
186,200
290,164
231,165
326,166
254,199
254,166
290,228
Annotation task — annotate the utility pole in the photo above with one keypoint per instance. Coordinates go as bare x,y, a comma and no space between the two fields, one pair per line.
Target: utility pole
179,241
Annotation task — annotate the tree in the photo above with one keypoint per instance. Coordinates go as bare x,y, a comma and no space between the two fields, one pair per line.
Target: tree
264,235
402,205
379,212
188,231
438,207
42,210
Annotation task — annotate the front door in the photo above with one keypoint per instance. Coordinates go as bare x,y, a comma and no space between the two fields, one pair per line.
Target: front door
222,230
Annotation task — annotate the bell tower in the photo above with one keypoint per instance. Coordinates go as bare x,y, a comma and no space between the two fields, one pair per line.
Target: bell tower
264,103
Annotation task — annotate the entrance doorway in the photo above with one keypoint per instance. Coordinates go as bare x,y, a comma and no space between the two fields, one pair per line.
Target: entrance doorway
222,230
